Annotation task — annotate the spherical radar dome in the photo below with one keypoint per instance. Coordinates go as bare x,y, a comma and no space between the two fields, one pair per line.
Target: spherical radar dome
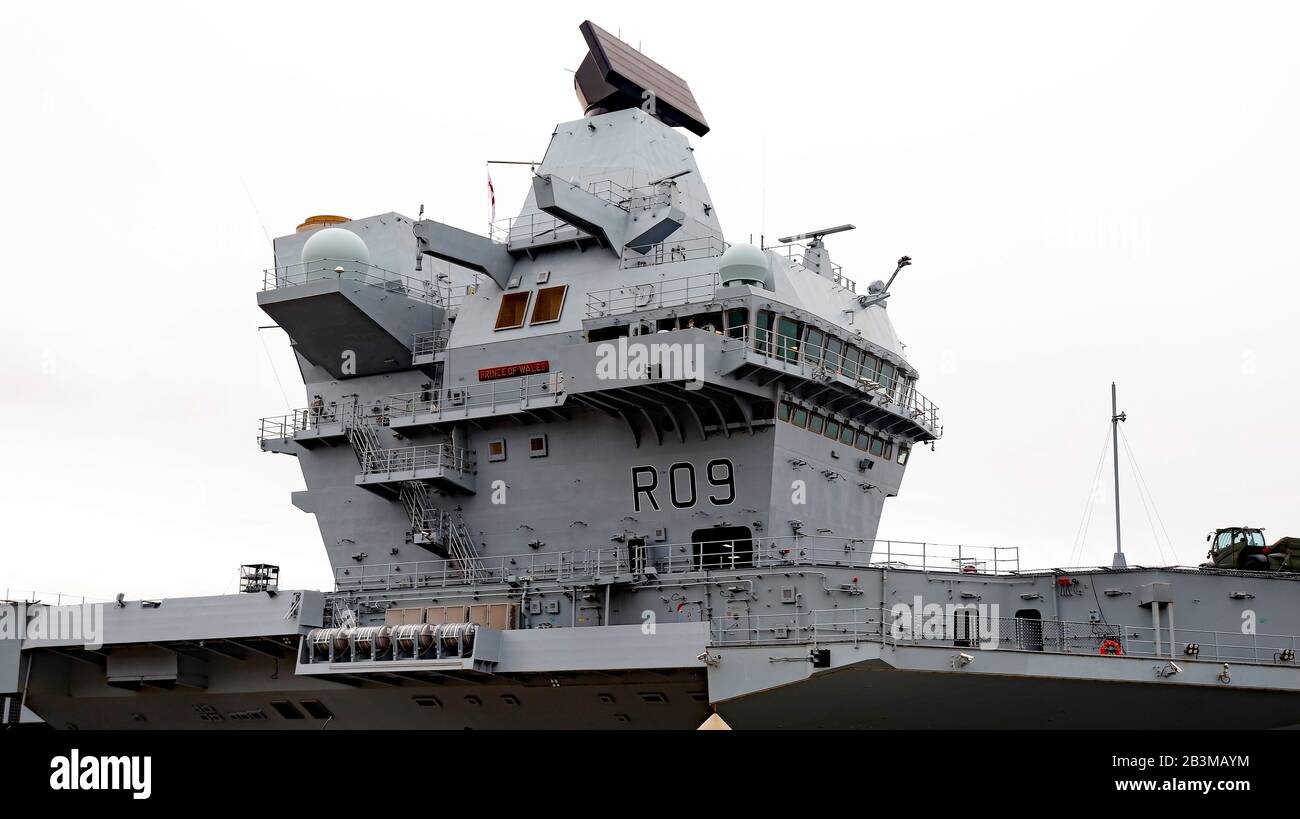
743,264
329,248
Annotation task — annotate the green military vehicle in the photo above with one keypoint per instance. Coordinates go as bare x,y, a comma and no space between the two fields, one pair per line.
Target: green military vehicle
1244,547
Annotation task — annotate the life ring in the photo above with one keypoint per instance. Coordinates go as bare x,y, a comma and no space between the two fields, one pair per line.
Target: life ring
1112,648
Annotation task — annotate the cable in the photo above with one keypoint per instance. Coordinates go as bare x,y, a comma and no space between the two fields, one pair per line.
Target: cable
1081,533
274,372
1142,478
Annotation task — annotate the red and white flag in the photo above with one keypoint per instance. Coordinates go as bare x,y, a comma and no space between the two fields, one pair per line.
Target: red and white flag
492,193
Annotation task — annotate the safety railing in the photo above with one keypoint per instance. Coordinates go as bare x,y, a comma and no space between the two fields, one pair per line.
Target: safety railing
431,343
300,420
646,197
970,626
872,374
672,250
796,254
463,401
534,228
725,556
536,567
652,295
415,458
346,270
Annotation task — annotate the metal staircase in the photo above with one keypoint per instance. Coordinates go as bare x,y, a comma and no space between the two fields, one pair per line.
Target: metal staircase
430,526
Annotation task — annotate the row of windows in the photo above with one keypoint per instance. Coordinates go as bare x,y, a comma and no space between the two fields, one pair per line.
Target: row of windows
846,434
546,308
794,341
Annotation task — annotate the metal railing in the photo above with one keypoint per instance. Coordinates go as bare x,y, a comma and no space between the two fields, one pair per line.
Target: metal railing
632,298
532,567
346,270
964,627
646,197
534,228
675,558
493,396
301,420
413,458
431,343
795,253
672,250
819,363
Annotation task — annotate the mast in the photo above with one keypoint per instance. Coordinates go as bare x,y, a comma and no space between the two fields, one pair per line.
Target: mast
1116,416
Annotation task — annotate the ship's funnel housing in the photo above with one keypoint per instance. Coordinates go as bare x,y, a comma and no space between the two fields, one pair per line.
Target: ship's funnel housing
331,248
744,264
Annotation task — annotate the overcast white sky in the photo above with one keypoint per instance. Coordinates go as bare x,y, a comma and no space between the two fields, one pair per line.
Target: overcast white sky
1090,192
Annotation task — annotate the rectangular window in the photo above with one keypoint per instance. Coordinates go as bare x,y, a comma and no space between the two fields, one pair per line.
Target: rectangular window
846,435
514,307
497,450
813,350
816,423
736,320
852,362
903,452
877,447
864,441
537,447
549,304
834,354
889,450
833,429
870,364
800,417
787,338
887,377
763,332
783,413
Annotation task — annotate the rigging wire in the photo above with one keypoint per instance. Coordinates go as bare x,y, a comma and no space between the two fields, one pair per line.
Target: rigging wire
1145,487
1081,534
1146,507
274,372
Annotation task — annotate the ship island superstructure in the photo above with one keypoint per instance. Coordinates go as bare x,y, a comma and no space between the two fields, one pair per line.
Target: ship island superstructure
600,467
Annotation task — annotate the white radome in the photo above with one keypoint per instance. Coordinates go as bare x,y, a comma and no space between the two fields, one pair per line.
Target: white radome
329,248
743,264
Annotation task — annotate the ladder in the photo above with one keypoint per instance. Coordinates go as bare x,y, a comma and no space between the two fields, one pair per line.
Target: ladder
436,526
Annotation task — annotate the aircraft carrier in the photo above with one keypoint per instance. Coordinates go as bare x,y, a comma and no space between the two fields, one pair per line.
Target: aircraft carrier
601,467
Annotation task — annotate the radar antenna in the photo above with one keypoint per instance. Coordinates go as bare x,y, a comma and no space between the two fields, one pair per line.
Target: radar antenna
816,235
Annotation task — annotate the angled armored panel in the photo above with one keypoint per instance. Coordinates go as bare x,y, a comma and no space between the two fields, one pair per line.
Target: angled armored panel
465,249
615,226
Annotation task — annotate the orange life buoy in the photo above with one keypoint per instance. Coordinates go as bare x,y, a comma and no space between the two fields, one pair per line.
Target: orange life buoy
1111,647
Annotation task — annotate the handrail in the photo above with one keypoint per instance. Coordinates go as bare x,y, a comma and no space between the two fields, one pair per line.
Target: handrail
671,250
492,395
884,625
795,254
652,295
821,363
412,458
671,558
293,275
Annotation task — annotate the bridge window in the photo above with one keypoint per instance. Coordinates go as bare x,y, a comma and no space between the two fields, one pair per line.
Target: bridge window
765,327
816,423
787,338
833,429
514,307
816,340
736,320
834,354
549,304
846,435
800,417
870,366
887,377
877,447
852,362
903,452
785,411
864,441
